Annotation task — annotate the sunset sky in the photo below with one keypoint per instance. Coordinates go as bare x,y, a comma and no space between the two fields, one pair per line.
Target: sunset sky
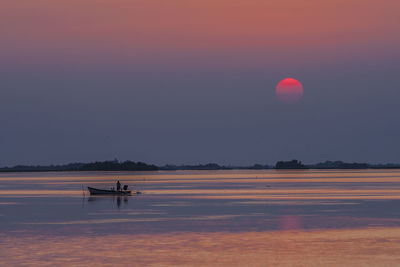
178,81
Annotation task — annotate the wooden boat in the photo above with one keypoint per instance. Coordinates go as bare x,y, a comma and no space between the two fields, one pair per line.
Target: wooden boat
95,191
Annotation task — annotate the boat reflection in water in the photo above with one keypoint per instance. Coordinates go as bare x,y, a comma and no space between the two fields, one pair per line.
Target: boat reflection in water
113,199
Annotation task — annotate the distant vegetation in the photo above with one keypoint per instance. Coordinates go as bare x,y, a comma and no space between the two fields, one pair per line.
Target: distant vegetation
209,166
340,165
118,166
293,164
115,165
213,166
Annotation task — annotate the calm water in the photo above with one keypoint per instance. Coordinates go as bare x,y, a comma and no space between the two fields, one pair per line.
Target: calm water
202,218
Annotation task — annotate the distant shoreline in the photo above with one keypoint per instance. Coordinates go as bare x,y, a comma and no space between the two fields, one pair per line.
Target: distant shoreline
232,169
115,165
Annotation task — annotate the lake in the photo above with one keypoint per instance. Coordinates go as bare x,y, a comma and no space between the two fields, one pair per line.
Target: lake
203,218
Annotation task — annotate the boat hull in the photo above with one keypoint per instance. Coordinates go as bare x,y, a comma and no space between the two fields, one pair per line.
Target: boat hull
95,191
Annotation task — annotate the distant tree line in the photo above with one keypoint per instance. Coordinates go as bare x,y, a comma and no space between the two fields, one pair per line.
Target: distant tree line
293,164
209,166
93,166
118,166
115,165
340,165
213,166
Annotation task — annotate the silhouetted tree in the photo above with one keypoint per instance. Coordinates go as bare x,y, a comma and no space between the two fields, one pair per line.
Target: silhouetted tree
293,164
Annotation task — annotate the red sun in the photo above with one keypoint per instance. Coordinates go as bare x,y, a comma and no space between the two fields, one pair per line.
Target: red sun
289,90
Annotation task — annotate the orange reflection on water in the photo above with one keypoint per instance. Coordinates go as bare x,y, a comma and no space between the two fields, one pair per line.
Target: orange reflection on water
132,220
40,192
276,180
291,197
193,175
289,193
273,191
358,247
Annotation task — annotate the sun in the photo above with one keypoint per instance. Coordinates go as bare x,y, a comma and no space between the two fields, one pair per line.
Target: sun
289,90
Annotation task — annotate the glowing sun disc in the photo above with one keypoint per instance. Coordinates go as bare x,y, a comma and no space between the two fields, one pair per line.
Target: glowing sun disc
289,90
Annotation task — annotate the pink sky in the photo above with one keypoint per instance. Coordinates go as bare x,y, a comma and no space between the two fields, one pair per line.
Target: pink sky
154,30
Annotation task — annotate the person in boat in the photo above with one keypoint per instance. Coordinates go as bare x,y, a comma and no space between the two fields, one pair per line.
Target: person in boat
118,186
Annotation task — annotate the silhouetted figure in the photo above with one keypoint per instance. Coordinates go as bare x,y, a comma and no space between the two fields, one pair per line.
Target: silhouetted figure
125,187
118,186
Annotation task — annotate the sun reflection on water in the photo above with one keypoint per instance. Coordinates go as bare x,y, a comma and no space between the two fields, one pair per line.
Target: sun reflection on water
362,247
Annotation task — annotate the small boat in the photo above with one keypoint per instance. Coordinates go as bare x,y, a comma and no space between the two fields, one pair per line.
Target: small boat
95,191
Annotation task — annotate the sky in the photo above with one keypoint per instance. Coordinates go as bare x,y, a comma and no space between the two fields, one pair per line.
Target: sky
188,82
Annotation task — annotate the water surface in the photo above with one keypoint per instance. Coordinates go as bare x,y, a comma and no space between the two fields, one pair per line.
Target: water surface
332,217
